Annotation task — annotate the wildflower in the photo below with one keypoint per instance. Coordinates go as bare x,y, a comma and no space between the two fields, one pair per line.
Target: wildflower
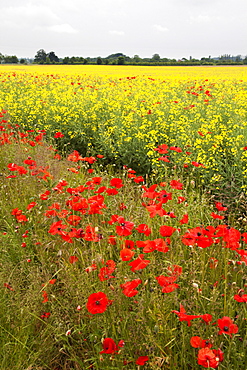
126,254
139,263
207,358
184,317
167,231
227,326
106,271
129,288
176,184
144,229
58,135
215,216
125,227
109,346
184,219
97,303
73,259
220,206
116,182
142,360
45,315
198,342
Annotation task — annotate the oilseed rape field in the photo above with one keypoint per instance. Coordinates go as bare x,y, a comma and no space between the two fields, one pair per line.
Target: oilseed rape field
123,227
125,112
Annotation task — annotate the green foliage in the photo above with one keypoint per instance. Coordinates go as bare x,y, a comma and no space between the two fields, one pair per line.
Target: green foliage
38,277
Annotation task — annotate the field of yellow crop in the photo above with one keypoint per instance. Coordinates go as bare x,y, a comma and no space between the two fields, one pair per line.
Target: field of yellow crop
125,112
101,266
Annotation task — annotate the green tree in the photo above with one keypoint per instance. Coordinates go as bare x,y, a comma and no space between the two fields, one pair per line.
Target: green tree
53,57
40,56
11,59
120,60
156,58
99,60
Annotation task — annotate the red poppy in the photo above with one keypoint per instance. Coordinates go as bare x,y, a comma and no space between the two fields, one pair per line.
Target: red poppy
116,182
184,317
167,231
138,179
162,149
58,135
125,228
240,298
227,326
176,184
129,288
142,360
220,206
176,149
31,205
144,229
109,346
107,270
126,254
111,191
75,156
73,259
74,220
139,263
184,219
97,303
164,159
215,216
198,342
207,358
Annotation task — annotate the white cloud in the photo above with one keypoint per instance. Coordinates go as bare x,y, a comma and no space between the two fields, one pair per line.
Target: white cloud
34,15
63,28
159,28
117,33
204,19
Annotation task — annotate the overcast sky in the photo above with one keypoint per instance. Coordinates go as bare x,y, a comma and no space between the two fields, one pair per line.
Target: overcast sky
171,28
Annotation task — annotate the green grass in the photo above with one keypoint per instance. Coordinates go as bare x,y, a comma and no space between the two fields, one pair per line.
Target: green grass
71,337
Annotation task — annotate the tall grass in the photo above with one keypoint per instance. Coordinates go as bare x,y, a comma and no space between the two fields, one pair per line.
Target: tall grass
48,272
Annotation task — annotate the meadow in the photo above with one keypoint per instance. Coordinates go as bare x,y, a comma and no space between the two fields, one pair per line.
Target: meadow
123,217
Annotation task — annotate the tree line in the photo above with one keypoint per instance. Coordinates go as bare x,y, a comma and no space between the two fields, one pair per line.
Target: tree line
42,57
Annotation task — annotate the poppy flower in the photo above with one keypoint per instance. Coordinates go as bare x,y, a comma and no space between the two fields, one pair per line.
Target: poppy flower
144,229
176,184
220,206
97,303
167,231
116,182
74,156
240,298
138,179
184,219
176,149
126,254
73,259
142,360
109,346
125,227
184,317
198,342
162,149
58,135
215,216
107,270
129,288
207,358
227,326
164,159
139,263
